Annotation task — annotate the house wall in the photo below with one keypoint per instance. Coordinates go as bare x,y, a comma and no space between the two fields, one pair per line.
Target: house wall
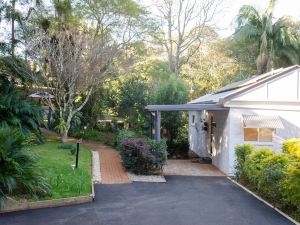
199,140
220,153
197,137
291,129
284,88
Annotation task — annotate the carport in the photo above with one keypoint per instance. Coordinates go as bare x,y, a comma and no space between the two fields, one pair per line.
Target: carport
155,113
182,167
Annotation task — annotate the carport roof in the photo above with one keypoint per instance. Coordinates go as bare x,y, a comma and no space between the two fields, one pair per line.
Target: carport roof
184,107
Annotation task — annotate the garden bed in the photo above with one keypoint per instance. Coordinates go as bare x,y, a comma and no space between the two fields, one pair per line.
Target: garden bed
68,185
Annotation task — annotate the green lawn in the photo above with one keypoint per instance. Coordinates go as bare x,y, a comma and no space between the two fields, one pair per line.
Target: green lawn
56,164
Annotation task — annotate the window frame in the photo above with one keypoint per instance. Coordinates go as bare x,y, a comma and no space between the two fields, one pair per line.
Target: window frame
258,140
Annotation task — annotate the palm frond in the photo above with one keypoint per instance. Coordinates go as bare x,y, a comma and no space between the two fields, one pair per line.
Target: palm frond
248,15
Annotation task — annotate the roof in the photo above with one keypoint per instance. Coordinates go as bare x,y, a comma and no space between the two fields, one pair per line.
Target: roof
184,107
231,90
41,95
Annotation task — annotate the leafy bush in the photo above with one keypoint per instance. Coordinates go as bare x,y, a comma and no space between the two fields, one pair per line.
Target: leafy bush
19,173
272,175
17,112
275,176
142,156
292,147
291,186
254,164
241,151
69,146
122,134
180,145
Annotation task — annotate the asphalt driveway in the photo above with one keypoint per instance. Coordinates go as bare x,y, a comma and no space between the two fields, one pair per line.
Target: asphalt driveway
180,201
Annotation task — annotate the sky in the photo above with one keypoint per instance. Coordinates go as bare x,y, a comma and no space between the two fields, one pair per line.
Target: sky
225,21
283,7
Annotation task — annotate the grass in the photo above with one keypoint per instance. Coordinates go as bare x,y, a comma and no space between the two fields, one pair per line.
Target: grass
55,164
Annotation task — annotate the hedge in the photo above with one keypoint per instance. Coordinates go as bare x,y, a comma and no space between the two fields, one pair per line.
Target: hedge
275,176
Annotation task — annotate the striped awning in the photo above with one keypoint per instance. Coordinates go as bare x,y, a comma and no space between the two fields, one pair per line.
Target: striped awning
262,121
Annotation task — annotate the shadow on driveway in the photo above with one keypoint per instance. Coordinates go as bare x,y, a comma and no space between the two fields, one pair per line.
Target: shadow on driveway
180,201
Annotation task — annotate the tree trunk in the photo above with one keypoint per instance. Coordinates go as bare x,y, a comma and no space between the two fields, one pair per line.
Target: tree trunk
13,28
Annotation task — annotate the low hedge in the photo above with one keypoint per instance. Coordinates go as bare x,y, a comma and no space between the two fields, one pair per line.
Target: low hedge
275,176
143,156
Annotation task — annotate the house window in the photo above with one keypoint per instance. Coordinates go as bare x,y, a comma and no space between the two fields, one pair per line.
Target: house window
258,134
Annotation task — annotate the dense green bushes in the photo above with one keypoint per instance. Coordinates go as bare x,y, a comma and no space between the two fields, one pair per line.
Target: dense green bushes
292,146
143,156
275,176
122,134
19,174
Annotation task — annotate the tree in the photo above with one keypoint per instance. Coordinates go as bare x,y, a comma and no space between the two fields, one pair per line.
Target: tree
211,67
9,11
183,24
275,40
133,97
69,63
171,91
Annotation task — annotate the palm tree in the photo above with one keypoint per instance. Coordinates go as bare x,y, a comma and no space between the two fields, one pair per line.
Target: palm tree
278,42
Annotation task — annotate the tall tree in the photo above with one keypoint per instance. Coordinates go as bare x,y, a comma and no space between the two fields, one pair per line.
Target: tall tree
275,40
183,23
69,63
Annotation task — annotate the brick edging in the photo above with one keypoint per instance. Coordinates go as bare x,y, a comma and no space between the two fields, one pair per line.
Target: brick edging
264,201
20,206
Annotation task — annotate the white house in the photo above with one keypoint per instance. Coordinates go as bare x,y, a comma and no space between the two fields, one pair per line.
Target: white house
263,110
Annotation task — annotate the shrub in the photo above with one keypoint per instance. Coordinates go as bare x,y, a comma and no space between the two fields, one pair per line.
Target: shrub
65,145
275,176
180,145
272,176
292,147
241,151
291,185
70,146
122,134
254,165
142,156
19,173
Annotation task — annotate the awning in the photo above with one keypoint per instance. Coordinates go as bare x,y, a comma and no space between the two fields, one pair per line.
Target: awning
262,121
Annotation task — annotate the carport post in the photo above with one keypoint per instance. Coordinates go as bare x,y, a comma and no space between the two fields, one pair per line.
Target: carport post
157,125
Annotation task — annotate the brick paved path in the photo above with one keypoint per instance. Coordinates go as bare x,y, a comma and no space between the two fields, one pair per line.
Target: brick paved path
111,168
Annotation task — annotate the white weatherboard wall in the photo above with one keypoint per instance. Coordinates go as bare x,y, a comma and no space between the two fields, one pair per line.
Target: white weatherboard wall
197,137
290,121
284,88
220,155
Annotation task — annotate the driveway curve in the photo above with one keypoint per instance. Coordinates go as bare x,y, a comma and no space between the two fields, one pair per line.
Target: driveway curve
180,201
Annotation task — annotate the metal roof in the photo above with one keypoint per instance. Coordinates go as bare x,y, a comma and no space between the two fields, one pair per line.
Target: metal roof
41,95
185,107
231,90
262,121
